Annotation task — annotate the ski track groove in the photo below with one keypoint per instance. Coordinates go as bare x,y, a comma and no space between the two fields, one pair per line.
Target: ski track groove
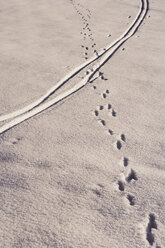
39,105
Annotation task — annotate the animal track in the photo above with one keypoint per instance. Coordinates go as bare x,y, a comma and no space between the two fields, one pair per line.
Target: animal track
96,192
100,185
103,122
132,176
87,35
151,225
131,199
125,161
96,112
113,113
118,145
103,78
123,138
86,30
104,95
109,106
121,185
15,141
101,107
110,131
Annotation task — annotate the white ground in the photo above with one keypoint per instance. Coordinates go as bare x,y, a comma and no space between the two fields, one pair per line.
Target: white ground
63,182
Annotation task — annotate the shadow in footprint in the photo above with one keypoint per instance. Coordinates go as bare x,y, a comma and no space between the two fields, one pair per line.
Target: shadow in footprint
109,106
123,138
96,113
96,192
104,95
103,122
100,185
151,225
118,145
110,131
113,113
121,185
103,78
131,199
15,141
101,107
132,176
125,161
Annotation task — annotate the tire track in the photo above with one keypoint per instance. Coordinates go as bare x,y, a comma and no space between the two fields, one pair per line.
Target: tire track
35,108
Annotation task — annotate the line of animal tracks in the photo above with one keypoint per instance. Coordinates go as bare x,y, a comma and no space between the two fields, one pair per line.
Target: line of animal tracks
100,59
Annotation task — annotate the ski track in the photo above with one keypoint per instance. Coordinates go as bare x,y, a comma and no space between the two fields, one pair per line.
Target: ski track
39,105
68,76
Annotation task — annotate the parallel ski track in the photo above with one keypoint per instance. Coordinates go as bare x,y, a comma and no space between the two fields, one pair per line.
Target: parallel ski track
39,105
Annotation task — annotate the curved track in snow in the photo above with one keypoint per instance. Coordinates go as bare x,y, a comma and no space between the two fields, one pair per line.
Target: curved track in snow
40,105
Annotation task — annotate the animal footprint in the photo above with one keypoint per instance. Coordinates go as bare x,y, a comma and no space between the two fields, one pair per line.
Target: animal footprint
125,161
121,185
96,112
95,51
104,95
103,78
131,199
109,106
14,141
118,144
151,225
132,176
113,113
96,192
110,132
103,122
123,138
100,185
101,107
